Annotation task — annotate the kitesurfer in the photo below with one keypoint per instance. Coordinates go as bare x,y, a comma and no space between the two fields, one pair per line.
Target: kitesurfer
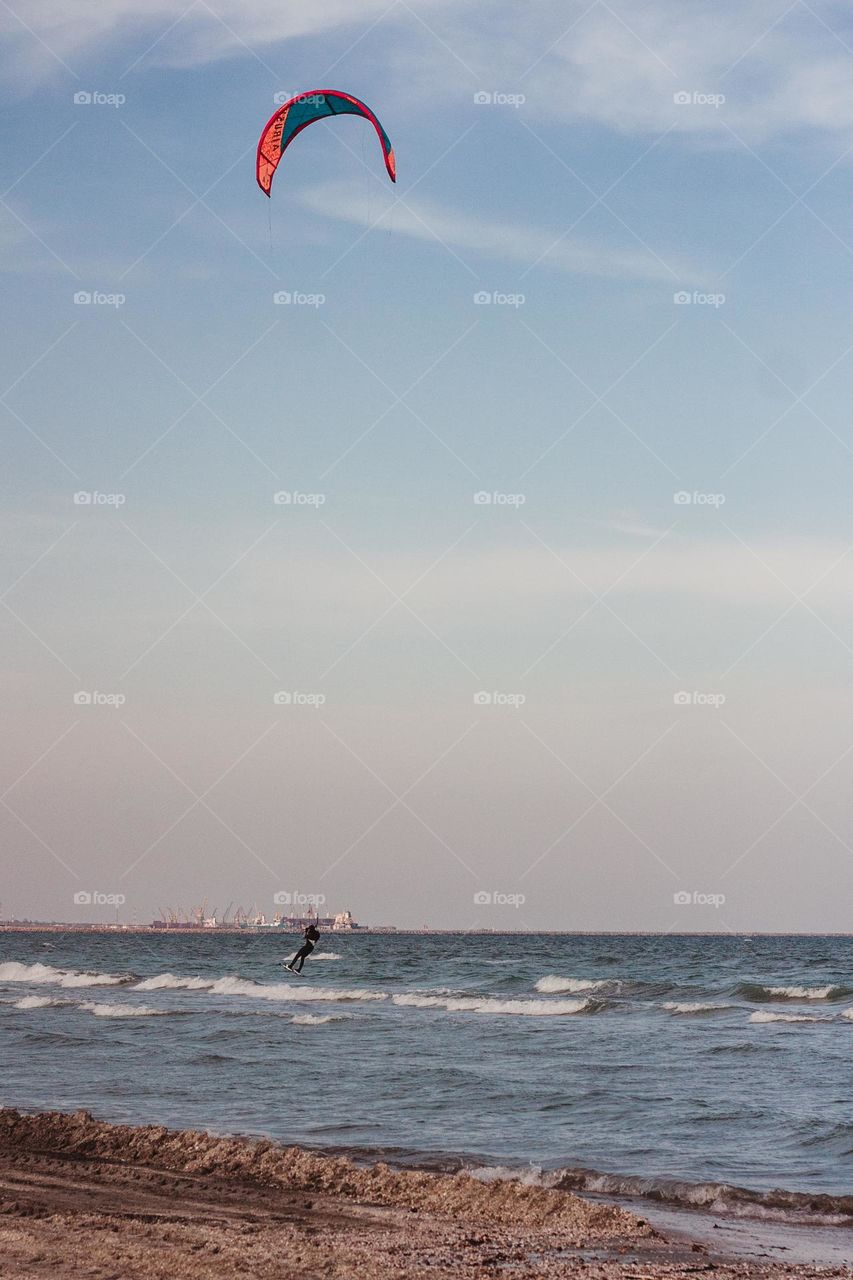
310,935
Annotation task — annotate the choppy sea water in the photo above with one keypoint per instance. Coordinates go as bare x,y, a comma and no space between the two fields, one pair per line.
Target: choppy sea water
661,1066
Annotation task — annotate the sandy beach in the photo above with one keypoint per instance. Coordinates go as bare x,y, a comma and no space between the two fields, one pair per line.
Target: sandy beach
84,1198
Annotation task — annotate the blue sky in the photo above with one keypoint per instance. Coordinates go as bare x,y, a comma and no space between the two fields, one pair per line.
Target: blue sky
624,161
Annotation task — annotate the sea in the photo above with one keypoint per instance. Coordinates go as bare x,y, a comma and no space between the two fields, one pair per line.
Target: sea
714,1072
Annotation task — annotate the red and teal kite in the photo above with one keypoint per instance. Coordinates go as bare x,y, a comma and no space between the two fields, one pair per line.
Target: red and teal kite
297,114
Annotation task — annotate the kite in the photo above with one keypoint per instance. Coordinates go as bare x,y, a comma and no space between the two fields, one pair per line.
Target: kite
296,114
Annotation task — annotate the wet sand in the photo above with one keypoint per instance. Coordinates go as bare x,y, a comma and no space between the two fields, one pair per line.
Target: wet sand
83,1198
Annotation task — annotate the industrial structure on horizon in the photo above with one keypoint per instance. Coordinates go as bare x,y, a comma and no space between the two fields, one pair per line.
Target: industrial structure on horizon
200,918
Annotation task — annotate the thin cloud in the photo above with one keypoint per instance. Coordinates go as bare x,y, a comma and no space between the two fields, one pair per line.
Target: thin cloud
779,70
476,237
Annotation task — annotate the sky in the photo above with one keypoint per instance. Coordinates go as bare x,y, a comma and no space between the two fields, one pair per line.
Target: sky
473,552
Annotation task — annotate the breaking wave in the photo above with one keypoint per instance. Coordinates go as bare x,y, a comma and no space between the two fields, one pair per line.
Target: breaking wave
286,991
554,985
693,1006
487,1004
717,1197
795,1207
313,1019
326,955
46,975
171,982
758,993
765,1015
104,1010
39,1002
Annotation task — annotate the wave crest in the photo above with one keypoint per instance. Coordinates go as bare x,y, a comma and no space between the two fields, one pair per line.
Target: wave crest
765,1015
487,1004
759,993
46,975
104,1010
693,1006
553,984
287,991
172,982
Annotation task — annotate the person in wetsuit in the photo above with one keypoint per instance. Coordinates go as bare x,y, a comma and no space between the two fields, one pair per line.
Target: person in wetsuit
310,935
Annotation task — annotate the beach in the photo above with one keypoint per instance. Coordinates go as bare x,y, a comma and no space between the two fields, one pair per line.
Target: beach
83,1197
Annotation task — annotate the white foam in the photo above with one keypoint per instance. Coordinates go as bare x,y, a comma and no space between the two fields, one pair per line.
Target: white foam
554,985
764,1015
485,1004
312,1019
45,974
104,1010
288,991
326,955
801,993
848,1013
171,982
37,1002
691,1006
531,1176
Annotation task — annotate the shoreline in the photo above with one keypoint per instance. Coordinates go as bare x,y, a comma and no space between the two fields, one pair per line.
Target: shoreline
82,1196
